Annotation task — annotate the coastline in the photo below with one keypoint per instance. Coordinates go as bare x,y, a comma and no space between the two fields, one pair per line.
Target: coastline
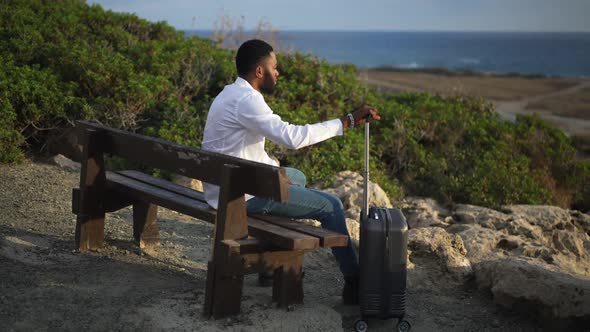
561,101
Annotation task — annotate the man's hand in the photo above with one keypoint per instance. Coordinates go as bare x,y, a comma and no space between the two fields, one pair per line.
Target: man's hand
360,116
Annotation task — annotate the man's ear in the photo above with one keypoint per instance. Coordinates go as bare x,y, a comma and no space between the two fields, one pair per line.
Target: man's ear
259,72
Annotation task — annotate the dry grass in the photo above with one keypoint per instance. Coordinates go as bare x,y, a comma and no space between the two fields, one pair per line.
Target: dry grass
491,87
573,105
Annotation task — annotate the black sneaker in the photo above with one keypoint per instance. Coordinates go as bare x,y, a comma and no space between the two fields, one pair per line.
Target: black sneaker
350,292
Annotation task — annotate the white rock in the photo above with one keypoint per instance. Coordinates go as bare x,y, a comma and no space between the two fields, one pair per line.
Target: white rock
425,212
65,163
348,186
520,284
448,248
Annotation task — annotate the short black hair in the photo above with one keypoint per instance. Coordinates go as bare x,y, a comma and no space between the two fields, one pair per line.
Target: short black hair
250,54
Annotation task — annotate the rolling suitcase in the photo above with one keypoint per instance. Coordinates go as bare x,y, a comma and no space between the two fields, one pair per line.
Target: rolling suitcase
382,260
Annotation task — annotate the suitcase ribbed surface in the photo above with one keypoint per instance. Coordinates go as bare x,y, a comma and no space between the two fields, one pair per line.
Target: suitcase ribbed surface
372,304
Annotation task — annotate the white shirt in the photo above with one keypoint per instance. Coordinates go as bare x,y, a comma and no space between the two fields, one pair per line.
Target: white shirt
238,122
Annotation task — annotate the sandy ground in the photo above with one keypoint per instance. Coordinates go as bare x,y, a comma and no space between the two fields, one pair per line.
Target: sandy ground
46,285
564,102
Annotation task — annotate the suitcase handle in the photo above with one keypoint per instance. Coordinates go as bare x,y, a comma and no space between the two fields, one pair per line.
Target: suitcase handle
365,211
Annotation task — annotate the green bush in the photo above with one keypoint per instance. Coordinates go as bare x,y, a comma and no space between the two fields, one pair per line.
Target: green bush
64,60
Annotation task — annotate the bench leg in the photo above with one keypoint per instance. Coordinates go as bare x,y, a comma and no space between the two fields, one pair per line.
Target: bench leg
223,294
145,226
89,231
287,286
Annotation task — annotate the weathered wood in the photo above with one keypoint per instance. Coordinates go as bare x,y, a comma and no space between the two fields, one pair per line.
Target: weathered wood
145,227
280,236
223,295
112,201
231,222
160,197
89,232
287,288
262,180
246,246
76,201
242,264
327,238
164,184
90,220
189,202
224,290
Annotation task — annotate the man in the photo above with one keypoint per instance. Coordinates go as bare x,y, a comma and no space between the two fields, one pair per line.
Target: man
238,122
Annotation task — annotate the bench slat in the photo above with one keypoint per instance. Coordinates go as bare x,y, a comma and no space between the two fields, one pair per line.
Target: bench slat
159,196
274,234
327,238
282,237
167,185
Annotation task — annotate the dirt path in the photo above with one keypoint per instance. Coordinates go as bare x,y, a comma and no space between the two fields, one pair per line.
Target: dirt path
508,109
571,126
46,285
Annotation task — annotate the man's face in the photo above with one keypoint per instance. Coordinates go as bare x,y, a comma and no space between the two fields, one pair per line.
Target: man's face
271,74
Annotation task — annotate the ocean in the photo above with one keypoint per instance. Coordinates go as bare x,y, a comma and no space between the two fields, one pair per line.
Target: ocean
527,53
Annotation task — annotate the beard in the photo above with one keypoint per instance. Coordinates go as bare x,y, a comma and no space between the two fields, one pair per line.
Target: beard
268,83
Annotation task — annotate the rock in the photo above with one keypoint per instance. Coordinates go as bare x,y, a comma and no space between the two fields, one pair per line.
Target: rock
556,237
65,163
522,285
488,218
448,248
480,242
425,212
354,229
581,221
194,184
546,217
348,186
535,258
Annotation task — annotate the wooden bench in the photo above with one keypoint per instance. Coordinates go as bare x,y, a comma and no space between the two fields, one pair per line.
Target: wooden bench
242,244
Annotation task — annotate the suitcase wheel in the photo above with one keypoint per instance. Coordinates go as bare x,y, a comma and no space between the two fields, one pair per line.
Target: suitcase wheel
361,326
404,326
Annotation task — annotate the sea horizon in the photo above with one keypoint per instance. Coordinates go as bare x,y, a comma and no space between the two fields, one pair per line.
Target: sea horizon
529,53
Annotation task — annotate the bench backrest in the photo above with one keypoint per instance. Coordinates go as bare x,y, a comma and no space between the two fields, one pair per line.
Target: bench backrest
254,178
234,176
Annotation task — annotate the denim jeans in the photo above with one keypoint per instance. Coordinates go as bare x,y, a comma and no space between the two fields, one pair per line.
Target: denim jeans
307,203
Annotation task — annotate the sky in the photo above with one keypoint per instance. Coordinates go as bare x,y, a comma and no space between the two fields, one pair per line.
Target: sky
376,15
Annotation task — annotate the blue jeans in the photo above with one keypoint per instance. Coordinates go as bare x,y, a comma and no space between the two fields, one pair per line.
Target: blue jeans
312,204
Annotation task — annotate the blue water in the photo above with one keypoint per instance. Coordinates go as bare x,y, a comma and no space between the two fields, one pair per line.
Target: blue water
551,54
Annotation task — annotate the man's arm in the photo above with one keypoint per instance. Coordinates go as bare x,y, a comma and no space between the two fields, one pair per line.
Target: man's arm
254,114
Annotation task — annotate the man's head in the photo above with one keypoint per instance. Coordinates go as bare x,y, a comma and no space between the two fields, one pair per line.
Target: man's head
257,63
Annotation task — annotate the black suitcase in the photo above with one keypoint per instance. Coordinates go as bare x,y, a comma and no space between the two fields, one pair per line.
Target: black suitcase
382,260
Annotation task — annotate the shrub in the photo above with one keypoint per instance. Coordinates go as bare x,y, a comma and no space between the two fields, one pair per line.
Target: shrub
62,61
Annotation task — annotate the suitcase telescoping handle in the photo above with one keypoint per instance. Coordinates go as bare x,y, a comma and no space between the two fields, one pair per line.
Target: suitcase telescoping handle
365,211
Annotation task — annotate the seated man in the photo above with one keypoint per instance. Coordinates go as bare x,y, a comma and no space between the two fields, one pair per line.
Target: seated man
238,122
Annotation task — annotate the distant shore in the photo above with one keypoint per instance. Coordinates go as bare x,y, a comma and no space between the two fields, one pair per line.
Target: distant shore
561,101
462,72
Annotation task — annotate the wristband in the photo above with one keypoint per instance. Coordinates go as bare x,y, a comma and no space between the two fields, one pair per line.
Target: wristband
351,119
